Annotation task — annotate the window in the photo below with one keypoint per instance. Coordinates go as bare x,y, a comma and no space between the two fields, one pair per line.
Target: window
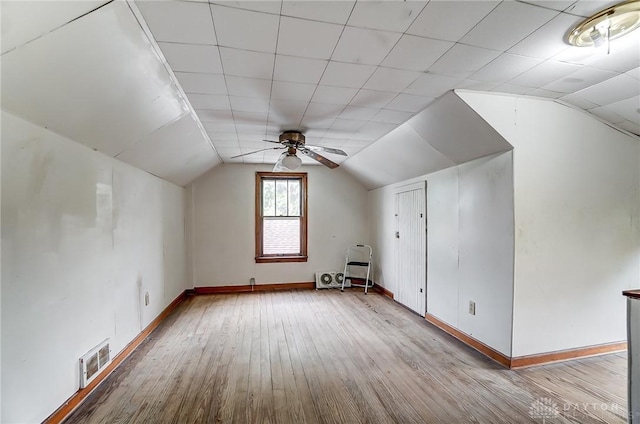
281,217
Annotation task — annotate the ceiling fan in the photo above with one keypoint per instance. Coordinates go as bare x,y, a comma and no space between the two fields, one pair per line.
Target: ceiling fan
293,141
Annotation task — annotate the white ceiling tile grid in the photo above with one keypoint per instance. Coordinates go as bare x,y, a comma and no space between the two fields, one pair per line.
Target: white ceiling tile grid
344,72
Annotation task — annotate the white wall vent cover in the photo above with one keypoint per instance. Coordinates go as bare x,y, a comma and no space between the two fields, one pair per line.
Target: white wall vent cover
330,280
94,361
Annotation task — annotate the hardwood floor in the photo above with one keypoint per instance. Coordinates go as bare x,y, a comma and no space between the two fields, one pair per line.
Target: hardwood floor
331,357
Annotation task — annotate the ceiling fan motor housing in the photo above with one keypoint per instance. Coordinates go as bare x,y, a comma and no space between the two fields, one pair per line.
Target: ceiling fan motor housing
294,137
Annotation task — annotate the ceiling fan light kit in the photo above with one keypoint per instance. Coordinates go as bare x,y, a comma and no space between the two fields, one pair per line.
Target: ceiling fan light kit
294,141
607,25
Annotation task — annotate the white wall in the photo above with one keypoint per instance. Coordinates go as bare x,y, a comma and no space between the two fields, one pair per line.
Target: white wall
223,225
83,238
577,202
469,246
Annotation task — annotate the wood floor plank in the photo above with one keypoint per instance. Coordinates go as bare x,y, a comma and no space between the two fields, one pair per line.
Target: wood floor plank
330,357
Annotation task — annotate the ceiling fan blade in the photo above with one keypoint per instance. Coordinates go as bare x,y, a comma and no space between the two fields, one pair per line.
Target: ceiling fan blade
313,155
272,141
278,167
261,150
325,149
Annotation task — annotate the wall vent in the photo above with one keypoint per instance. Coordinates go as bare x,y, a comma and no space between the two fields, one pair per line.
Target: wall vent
94,361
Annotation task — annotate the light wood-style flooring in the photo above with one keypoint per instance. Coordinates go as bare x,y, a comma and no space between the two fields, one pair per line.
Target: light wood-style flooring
332,357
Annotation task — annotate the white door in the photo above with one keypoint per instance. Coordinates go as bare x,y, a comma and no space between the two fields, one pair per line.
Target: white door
411,247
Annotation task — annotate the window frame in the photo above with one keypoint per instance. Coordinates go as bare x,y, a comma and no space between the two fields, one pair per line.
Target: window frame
259,228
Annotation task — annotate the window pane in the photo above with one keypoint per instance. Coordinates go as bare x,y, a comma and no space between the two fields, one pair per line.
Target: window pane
268,197
281,236
294,198
281,198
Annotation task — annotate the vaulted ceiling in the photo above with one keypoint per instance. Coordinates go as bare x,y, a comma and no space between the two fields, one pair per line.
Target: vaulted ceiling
177,87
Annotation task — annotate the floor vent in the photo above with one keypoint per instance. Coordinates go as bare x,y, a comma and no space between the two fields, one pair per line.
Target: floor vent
94,361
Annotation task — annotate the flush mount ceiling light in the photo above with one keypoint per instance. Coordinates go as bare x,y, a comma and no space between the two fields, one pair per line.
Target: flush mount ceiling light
607,25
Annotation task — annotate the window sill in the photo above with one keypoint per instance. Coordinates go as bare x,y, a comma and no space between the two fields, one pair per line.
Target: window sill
276,259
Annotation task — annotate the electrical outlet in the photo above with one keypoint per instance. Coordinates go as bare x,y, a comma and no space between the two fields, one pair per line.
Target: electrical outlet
146,299
472,307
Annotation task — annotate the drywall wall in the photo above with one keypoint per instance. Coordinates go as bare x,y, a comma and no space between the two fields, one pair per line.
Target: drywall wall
469,246
223,227
84,237
577,221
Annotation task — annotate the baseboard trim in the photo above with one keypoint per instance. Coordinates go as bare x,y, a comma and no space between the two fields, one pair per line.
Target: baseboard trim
470,341
565,355
257,288
383,291
74,401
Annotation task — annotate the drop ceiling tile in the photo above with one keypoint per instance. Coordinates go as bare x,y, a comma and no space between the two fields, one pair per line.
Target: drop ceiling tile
385,15
635,73
373,131
221,127
612,90
469,84
215,115
241,117
209,101
372,98
558,5
543,74
582,78
586,8
509,23
192,82
292,91
315,124
226,152
335,137
192,57
249,87
249,104
336,12
416,53
387,79
431,85
250,129
462,61
365,46
298,69
630,126
409,103
242,63
359,112
23,21
505,67
272,7
628,108
244,29
253,145
436,18
512,89
347,124
315,40
346,74
578,102
162,18
223,136
324,110
607,114
548,40
253,138
539,92
334,95
392,116
287,106
623,56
